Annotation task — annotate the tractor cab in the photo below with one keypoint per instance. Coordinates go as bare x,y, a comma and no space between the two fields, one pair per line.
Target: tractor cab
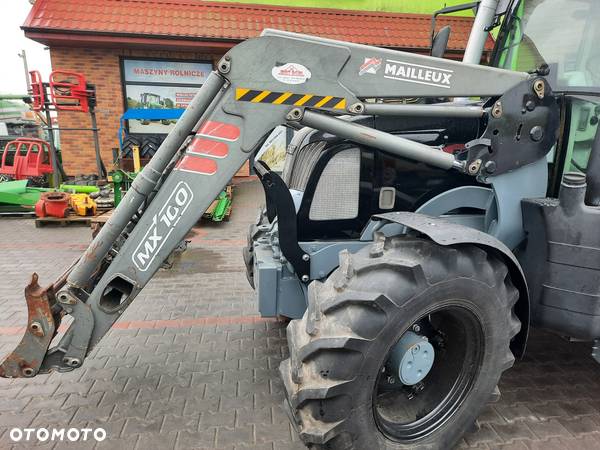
560,254
525,43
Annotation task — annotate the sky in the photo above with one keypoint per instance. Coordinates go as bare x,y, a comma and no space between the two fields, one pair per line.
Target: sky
12,74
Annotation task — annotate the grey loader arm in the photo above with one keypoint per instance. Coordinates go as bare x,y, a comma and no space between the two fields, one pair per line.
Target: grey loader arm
259,84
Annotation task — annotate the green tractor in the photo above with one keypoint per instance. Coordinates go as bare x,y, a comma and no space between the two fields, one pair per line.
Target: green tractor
149,100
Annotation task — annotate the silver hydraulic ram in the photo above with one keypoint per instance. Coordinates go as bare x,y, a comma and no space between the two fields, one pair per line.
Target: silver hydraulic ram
377,139
405,110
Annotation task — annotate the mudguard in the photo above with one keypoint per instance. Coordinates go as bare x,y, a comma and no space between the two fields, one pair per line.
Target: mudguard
447,233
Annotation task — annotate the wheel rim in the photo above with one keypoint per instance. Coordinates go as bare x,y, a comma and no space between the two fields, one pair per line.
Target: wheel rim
411,413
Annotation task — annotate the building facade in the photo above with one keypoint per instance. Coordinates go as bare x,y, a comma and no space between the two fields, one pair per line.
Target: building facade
155,53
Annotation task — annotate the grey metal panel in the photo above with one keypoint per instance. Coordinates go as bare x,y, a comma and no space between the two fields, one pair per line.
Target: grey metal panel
265,281
324,256
461,197
322,55
279,291
510,189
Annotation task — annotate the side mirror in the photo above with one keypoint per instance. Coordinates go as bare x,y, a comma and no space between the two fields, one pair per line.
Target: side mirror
439,43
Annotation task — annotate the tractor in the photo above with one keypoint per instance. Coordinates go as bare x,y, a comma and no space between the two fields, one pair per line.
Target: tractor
149,100
430,211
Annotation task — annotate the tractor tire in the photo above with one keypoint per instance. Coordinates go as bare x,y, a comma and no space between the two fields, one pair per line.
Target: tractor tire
340,391
149,147
128,143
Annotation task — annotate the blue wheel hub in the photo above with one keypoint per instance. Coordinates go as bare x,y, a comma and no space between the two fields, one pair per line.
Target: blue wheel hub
411,358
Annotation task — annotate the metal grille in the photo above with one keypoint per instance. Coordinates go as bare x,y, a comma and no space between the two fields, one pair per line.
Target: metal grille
337,193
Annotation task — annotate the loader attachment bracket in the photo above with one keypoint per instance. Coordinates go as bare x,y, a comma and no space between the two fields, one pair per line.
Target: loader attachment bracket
26,359
523,121
281,205
73,346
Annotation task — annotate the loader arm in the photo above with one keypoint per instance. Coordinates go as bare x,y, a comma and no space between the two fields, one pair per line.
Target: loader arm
261,83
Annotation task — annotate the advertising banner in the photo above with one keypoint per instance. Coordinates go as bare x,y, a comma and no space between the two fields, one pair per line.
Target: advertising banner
160,85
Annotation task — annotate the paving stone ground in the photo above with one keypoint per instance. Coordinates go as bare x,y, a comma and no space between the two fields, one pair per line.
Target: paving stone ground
190,365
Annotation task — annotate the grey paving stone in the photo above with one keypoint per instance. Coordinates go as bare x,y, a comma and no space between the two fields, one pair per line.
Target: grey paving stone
156,441
197,440
549,429
224,418
137,425
234,436
181,423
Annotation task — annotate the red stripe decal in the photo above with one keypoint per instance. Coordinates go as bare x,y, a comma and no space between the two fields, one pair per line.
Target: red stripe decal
220,130
207,147
204,166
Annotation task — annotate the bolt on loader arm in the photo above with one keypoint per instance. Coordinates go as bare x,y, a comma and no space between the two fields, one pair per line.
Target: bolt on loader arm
261,83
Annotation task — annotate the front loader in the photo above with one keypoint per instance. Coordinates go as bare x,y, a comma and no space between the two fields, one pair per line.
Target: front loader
412,241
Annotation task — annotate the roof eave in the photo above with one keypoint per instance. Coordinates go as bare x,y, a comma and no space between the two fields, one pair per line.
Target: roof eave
70,38
84,39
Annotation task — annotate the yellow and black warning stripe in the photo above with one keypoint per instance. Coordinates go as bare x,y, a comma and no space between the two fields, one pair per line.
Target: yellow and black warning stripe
289,98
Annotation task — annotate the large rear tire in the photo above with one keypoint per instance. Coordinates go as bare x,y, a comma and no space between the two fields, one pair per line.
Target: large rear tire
339,395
